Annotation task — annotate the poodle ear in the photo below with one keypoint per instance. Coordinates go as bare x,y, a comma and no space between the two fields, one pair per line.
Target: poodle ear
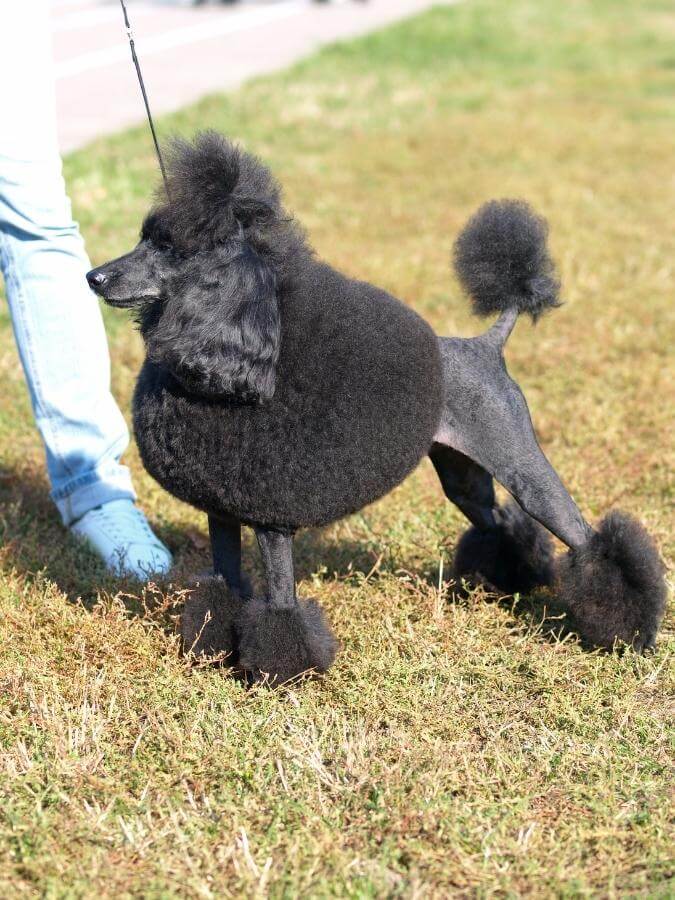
219,332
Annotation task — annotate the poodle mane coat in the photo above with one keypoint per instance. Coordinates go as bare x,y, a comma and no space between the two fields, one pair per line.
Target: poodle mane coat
275,390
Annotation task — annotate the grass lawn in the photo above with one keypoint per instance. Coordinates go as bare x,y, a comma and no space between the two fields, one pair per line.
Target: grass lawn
456,748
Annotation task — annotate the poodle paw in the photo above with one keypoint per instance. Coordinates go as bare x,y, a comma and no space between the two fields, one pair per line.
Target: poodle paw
207,623
282,643
614,586
515,557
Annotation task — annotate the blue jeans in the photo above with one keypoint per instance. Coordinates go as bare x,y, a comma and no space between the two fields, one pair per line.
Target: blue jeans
56,319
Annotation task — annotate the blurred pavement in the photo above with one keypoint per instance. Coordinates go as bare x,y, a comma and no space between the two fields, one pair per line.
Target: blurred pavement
186,52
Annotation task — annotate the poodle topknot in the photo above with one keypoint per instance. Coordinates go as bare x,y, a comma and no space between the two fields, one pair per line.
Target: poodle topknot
215,190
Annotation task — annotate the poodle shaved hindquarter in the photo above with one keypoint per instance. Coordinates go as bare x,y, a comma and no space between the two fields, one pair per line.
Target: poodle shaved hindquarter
278,393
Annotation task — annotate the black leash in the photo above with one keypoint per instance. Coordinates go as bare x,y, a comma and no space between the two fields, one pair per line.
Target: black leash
145,96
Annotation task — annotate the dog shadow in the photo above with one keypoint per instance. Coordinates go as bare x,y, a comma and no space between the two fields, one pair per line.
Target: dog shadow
351,561
35,545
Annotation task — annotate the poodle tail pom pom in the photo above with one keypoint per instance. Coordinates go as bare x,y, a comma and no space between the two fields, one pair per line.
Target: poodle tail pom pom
502,260
614,585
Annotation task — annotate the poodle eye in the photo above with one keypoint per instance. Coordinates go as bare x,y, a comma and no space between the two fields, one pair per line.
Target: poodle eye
159,242
156,234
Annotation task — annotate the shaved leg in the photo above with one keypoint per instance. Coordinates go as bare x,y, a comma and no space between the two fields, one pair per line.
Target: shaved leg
466,484
279,636
485,416
277,554
225,537
505,550
208,620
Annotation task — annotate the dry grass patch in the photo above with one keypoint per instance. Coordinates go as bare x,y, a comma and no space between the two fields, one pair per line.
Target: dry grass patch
457,748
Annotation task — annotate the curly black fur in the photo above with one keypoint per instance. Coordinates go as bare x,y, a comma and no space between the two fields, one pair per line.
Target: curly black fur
282,643
208,620
225,220
515,557
216,190
502,260
614,586
222,338
275,389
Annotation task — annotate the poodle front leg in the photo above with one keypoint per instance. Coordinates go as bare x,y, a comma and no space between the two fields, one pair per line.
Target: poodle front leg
506,550
276,550
225,535
281,637
208,620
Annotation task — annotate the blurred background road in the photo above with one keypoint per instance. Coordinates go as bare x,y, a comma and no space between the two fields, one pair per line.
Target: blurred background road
186,51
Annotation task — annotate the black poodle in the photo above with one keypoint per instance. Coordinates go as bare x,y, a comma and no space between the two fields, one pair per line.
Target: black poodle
280,394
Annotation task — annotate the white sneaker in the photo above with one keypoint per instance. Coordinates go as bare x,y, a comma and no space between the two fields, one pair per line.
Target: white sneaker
119,532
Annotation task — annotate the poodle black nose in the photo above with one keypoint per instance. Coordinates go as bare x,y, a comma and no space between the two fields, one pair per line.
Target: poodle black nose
96,279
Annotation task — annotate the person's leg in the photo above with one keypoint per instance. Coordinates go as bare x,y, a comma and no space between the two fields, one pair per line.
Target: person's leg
60,337
56,319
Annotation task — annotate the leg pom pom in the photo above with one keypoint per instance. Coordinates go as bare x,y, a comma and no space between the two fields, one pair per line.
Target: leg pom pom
614,586
514,557
283,643
207,623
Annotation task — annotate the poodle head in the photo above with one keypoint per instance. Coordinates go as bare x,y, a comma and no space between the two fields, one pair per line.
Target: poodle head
204,278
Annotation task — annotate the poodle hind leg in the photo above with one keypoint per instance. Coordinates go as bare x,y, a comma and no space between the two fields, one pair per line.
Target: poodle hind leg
611,580
466,484
281,637
505,549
